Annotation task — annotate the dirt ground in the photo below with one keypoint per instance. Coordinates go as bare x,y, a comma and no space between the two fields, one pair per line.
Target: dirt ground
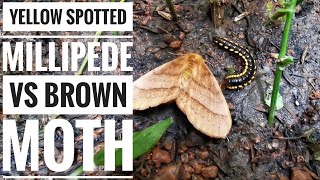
252,150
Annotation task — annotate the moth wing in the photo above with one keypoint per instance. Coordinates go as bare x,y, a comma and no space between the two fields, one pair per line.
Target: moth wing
204,104
161,85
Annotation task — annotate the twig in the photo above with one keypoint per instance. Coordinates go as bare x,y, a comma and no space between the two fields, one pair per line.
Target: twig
171,8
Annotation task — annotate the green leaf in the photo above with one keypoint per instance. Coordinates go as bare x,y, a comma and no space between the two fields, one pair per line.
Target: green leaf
143,141
267,99
285,62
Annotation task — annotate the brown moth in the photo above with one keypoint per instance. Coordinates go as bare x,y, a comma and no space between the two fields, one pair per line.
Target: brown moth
188,81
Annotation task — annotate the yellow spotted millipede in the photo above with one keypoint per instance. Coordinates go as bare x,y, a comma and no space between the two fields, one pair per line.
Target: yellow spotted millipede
244,78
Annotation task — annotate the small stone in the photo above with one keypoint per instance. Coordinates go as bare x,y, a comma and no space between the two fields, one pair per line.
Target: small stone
269,146
186,172
203,154
160,156
255,138
241,35
168,146
184,158
169,173
196,166
168,38
175,44
298,9
154,50
287,164
178,8
314,118
263,124
209,172
196,177
183,148
160,56
300,159
277,134
191,156
275,143
188,168
146,20
277,176
182,35
162,44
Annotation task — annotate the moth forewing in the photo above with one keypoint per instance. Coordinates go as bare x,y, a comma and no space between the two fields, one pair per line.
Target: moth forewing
189,82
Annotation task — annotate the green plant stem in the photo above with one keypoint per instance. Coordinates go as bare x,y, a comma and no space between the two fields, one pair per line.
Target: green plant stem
282,54
171,8
85,61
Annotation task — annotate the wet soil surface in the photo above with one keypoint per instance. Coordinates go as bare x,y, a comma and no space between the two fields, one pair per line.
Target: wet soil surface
252,150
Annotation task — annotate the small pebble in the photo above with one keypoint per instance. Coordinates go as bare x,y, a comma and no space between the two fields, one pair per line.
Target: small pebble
203,154
183,148
196,177
175,44
160,156
209,172
146,20
275,143
154,50
168,146
184,158
191,156
196,166
300,159
162,44
269,146
277,134
169,173
255,138
168,38
182,35
298,9
186,171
